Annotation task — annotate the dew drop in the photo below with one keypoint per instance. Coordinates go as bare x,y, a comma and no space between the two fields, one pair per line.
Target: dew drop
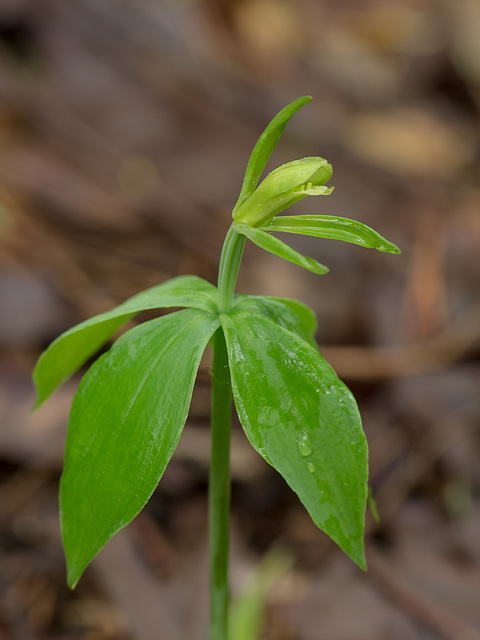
311,467
324,495
304,444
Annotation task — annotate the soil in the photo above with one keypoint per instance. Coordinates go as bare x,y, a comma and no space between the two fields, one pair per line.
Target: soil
124,132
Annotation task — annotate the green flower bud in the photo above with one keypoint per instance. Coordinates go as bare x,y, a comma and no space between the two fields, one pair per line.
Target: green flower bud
283,187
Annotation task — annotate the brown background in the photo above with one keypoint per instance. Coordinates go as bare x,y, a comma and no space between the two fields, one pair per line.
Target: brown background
125,127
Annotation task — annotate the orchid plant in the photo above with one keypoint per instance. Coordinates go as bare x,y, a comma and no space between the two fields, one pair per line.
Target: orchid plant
132,404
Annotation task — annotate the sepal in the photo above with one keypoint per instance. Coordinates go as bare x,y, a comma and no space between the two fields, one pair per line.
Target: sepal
277,247
264,147
332,227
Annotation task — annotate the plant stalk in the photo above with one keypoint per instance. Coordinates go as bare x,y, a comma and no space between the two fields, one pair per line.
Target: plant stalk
228,271
221,424
219,489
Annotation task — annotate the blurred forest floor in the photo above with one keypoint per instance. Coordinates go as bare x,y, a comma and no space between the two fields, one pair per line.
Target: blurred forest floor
125,128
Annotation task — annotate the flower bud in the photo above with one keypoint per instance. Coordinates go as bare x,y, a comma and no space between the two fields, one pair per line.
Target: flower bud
283,187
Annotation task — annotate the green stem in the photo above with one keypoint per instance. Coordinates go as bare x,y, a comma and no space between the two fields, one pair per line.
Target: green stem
221,423
219,489
228,271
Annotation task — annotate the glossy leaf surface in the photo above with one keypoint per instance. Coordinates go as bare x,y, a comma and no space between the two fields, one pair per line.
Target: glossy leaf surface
277,247
304,422
332,227
289,314
264,147
74,347
125,423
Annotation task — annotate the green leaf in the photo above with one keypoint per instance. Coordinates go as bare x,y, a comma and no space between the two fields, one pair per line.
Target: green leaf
372,503
248,608
303,421
264,147
279,248
289,314
125,423
74,347
332,227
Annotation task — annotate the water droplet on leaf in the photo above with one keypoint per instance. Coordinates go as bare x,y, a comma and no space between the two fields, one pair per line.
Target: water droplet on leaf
324,493
304,444
311,467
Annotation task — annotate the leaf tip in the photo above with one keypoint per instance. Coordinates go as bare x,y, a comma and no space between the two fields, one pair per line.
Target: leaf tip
320,269
36,406
76,564
389,247
71,584
72,579
358,555
40,395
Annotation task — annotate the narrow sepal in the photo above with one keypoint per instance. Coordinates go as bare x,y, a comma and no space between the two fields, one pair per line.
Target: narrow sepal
264,147
332,227
277,247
